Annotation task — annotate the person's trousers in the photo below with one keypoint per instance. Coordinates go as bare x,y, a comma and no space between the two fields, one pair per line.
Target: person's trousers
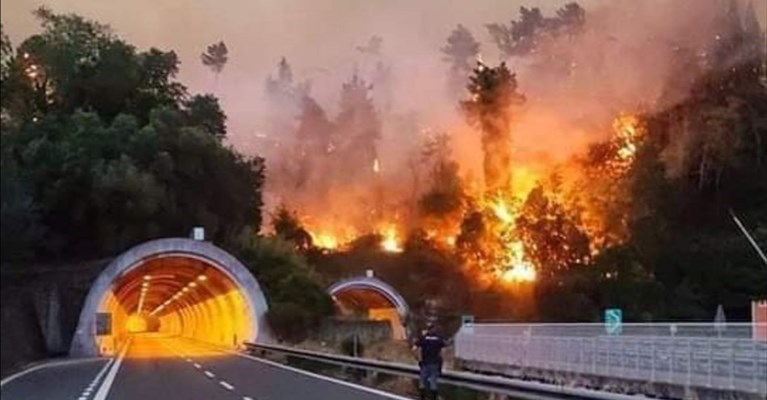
429,375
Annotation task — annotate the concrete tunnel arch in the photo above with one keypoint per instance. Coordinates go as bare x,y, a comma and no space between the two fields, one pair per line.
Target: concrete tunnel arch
187,287
376,294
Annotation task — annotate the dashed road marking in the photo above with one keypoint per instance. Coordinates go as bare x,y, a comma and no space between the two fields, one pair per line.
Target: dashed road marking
210,374
226,385
246,398
88,389
198,366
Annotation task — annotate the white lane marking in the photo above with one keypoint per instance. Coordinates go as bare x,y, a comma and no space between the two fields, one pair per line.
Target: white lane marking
106,384
188,360
210,374
321,377
226,385
87,392
300,371
246,398
198,366
47,364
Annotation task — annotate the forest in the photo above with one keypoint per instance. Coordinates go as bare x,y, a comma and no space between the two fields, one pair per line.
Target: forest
104,148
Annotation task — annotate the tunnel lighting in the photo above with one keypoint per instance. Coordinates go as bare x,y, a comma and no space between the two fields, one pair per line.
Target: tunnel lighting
147,277
202,278
192,284
185,289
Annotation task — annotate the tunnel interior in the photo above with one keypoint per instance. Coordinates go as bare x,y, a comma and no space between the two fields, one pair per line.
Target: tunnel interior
370,303
175,295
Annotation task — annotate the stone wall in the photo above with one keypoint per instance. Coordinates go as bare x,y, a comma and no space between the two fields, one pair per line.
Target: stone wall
335,330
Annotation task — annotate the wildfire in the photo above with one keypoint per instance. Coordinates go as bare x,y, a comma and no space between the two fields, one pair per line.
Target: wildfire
390,242
520,270
502,211
627,136
325,241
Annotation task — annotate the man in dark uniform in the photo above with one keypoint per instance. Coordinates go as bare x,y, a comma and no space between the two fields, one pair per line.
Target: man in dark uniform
430,344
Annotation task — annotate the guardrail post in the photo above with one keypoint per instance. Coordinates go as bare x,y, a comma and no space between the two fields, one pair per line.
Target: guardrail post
732,364
689,362
594,356
710,361
755,368
672,361
652,357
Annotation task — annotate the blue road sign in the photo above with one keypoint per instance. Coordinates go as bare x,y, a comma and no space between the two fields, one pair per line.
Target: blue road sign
614,321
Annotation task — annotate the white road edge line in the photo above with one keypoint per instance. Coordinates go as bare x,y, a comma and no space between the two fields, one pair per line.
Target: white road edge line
44,365
325,378
106,384
311,374
226,385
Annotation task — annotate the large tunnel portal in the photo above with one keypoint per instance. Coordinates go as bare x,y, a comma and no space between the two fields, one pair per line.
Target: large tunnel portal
182,287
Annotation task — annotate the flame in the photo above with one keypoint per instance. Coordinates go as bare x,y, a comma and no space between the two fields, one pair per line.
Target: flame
324,241
502,211
520,270
390,242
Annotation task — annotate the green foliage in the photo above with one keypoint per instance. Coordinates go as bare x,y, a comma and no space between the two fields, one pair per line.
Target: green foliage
287,226
204,111
102,150
297,303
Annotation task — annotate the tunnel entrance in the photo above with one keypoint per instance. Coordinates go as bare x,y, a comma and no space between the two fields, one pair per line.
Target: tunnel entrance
373,299
182,287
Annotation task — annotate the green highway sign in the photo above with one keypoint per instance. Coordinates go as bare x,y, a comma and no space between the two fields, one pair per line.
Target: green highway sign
614,321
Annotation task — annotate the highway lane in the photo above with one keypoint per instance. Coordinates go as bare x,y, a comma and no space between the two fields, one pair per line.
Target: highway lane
169,368
57,381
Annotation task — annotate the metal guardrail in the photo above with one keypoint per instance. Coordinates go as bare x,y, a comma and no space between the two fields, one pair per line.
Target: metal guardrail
492,384
708,356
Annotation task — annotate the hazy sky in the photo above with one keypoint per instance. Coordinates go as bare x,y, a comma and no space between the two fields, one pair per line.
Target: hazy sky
316,36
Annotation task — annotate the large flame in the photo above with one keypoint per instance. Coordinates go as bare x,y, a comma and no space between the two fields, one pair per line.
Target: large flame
390,241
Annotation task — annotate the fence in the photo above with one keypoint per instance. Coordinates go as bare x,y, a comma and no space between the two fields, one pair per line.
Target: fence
712,356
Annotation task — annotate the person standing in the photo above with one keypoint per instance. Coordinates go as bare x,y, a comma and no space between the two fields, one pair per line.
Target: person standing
431,344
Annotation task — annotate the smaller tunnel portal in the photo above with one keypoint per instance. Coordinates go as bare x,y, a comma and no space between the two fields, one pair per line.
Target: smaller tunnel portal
372,299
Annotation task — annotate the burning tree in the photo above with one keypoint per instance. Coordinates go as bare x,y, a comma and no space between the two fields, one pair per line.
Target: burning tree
358,129
493,92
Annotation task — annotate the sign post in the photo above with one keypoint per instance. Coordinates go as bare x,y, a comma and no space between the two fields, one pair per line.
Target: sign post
614,321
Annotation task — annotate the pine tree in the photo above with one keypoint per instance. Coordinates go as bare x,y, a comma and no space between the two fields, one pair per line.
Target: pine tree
493,92
460,51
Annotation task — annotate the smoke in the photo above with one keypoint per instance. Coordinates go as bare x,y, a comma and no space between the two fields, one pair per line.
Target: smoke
625,60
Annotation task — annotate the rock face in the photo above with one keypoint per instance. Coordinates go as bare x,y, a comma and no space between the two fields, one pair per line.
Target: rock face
39,310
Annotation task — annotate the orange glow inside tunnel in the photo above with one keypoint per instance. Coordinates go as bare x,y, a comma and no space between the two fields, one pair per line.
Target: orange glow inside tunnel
373,305
175,296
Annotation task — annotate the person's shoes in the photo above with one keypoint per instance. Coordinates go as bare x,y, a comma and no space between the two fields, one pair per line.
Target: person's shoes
433,395
422,394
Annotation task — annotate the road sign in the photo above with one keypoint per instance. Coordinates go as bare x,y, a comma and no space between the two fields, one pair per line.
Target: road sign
467,323
103,324
614,321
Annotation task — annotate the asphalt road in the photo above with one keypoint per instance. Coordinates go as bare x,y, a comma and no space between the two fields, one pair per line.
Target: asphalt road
168,368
